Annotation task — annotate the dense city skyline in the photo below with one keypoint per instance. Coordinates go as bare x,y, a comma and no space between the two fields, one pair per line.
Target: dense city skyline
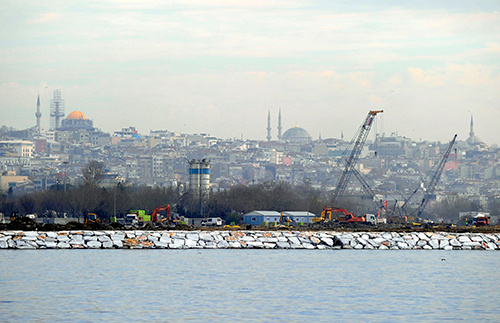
219,68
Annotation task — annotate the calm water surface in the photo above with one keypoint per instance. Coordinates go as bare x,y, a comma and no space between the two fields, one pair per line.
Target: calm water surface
249,285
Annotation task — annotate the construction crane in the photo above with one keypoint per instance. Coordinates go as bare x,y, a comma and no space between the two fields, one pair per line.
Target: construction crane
435,179
352,160
367,188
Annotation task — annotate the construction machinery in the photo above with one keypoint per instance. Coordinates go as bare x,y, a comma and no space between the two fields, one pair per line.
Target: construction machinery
92,218
352,160
285,219
157,217
429,192
137,217
327,215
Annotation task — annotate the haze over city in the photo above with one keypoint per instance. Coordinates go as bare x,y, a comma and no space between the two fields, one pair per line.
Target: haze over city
218,68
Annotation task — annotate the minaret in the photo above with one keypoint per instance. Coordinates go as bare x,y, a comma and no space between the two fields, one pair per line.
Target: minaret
279,125
38,114
268,125
471,133
342,135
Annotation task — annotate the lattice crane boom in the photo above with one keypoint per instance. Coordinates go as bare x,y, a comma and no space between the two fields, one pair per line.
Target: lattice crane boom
435,178
352,160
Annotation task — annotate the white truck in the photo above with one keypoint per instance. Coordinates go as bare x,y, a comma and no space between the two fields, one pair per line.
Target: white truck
211,222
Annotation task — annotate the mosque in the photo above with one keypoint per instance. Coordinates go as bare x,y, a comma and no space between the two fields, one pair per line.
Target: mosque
76,120
474,140
294,135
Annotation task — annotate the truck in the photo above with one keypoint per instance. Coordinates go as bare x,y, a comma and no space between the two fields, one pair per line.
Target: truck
481,220
131,219
212,222
141,217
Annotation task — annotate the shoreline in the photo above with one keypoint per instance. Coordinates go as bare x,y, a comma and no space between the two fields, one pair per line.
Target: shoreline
247,239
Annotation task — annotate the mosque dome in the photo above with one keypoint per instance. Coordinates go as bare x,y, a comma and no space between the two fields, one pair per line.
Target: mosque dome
76,115
297,135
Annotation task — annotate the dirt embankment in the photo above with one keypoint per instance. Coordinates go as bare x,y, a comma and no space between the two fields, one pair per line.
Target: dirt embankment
26,224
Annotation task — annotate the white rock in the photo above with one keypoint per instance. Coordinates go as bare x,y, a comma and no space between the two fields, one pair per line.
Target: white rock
118,237
477,238
210,245
427,247
455,243
492,246
222,244
94,244
63,245
3,244
51,234
403,245
104,239
463,239
282,245
77,242
161,244
235,244
192,236
362,241
118,243
255,244
434,243
296,246
63,238
308,245
443,243
448,247
50,244
107,244
327,241
422,243
206,237
422,236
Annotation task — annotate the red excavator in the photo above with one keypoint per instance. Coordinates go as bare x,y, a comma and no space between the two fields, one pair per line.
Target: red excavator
327,216
156,217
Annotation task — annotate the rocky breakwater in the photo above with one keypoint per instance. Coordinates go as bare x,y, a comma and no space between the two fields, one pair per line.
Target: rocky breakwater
246,239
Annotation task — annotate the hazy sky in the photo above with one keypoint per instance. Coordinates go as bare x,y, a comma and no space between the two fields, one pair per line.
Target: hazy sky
218,68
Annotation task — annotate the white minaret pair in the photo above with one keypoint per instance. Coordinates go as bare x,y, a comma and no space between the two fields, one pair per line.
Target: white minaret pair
269,136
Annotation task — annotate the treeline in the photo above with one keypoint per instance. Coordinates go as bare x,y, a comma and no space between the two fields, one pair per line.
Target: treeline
104,201
119,199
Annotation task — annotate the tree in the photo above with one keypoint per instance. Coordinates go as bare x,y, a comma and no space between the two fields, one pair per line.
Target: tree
93,173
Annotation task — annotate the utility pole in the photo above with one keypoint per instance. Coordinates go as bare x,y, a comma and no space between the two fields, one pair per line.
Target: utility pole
65,173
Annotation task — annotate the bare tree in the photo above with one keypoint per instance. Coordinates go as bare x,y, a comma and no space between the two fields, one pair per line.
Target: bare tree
93,173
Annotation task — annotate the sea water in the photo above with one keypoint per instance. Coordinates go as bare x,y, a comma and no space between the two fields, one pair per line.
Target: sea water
249,285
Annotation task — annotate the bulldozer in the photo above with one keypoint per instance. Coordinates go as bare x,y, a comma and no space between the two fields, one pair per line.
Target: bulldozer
92,218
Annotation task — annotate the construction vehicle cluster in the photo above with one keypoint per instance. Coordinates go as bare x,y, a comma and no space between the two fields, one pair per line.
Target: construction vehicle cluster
350,161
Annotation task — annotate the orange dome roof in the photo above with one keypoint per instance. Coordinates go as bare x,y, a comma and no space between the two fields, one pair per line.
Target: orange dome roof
76,115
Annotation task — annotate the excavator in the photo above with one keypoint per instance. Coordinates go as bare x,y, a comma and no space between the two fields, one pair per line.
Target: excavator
285,221
327,213
156,217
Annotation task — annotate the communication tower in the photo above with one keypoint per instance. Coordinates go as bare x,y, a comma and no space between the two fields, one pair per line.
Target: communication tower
56,110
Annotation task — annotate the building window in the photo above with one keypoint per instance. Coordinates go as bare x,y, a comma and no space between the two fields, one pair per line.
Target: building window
254,219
